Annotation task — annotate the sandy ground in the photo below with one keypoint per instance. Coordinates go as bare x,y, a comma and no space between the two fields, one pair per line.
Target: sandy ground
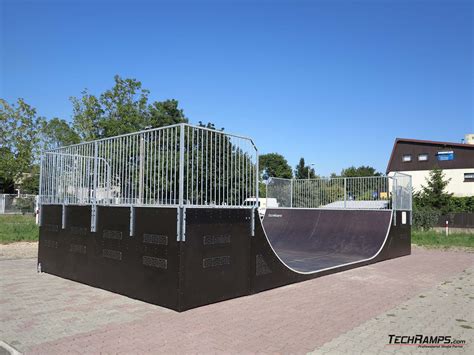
21,250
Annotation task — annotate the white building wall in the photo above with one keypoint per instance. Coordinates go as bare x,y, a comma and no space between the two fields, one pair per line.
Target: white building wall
456,185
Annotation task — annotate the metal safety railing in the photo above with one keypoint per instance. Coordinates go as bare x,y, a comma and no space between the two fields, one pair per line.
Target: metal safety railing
377,192
17,203
178,165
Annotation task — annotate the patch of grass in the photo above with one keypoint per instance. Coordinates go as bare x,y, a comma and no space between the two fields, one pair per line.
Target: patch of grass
466,326
18,228
435,239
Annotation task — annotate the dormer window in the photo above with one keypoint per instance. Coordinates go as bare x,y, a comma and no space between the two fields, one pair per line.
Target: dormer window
406,158
422,157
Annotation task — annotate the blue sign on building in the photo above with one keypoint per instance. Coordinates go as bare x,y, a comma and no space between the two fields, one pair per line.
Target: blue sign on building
445,155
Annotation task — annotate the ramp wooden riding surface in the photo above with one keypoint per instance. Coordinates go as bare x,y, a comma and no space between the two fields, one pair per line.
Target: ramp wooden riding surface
309,240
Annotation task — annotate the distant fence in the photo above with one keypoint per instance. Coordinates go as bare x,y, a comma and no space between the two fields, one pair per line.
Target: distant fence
16,204
457,220
377,192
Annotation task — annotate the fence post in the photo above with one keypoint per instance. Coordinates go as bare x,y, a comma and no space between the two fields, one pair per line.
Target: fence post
140,169
180,218
291,193
345,192
181,165
94,191
257,185
38,218
394,200
257,177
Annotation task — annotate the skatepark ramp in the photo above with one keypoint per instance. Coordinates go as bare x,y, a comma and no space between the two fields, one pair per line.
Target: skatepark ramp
163,216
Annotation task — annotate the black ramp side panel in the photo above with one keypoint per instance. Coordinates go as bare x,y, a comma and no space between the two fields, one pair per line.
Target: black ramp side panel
216,256
114,256
143,266
50,253
156,256
312,240
399,243
79,243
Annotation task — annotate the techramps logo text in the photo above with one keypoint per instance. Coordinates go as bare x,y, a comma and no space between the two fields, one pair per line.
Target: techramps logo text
426,341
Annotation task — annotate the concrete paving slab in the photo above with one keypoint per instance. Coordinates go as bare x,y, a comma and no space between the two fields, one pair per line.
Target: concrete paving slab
41,313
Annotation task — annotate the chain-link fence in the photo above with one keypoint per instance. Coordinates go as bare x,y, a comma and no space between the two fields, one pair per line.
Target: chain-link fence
16,204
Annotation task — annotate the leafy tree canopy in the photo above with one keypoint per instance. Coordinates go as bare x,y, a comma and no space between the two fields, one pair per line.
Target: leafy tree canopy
360,171
274,165
19,138
122,109
57,132
304,171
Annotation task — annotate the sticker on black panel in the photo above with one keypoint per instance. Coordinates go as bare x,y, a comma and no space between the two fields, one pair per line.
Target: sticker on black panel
112,254
109,234
155,262
155,239
216,261
216,239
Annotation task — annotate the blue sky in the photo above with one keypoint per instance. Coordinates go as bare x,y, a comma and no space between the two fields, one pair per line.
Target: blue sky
333,81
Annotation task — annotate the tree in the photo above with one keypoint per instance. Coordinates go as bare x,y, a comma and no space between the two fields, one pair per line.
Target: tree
29,183
19,137
122,109
166,113
434,194
302,171
274,165
87,114
360,171
57,133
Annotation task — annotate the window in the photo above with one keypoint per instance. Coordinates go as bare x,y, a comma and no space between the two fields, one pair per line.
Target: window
406,158
422,157
468,177
448,155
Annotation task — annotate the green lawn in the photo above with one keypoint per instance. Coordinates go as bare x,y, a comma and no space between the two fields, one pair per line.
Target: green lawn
436,239
18,228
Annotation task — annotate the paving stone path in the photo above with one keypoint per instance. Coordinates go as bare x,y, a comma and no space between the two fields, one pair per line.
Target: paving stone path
447,309
41,313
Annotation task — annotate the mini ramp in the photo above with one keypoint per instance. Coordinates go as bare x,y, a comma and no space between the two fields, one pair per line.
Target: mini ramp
220,258
161,216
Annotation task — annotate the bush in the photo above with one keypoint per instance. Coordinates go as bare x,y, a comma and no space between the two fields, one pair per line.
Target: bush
425,218
461,204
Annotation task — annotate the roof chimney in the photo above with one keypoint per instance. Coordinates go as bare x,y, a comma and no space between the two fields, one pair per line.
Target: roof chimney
469,138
